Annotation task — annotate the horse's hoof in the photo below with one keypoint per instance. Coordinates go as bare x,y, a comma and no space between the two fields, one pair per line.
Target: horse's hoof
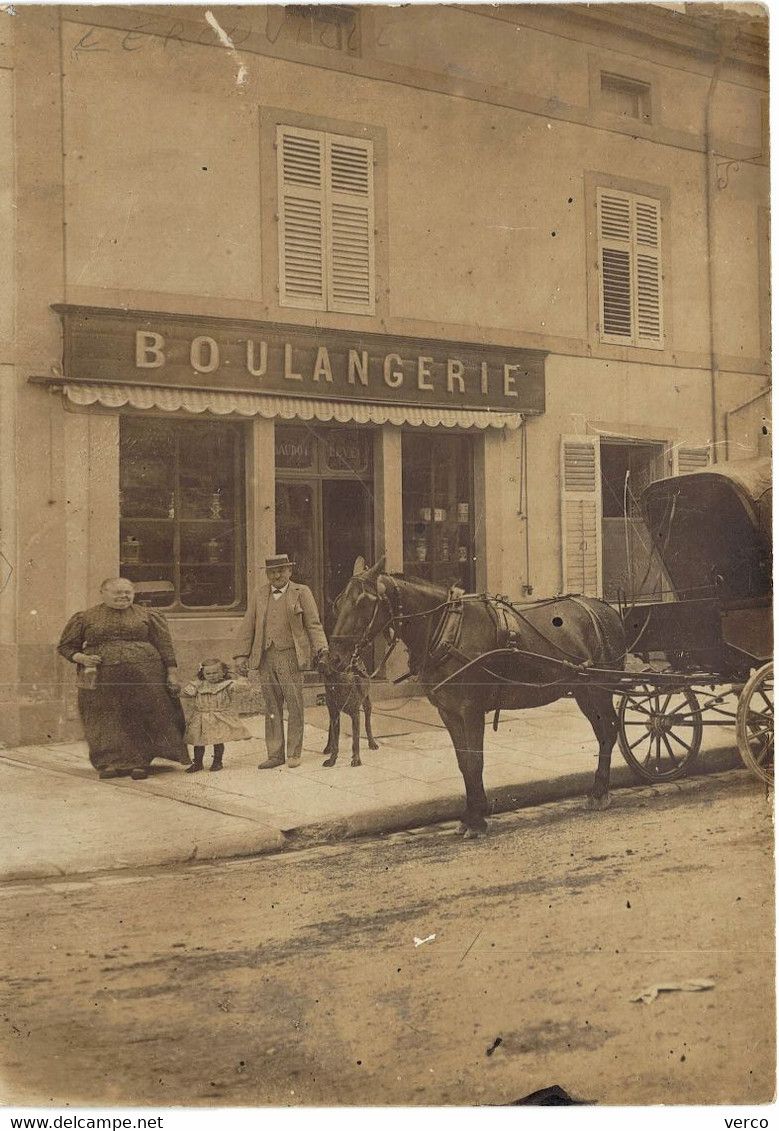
596,804
356,762
373,745
474,834
329,762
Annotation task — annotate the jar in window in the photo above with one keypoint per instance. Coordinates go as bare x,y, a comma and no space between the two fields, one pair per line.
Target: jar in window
131,550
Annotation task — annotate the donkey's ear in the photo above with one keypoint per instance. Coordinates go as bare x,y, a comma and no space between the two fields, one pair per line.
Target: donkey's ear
381,588
375,570
359,566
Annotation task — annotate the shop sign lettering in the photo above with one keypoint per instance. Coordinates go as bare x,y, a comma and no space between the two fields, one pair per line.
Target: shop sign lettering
300,361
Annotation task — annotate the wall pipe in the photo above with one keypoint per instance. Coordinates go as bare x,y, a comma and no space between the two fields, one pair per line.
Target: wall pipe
724,40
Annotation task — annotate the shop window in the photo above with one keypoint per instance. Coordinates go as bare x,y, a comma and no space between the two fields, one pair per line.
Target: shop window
630,262
438,508
182,513
326,221
625,97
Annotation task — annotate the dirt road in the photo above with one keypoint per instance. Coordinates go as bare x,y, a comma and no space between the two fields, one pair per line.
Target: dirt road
413,969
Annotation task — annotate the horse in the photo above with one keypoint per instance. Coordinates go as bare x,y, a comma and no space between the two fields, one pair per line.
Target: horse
347,689
474,654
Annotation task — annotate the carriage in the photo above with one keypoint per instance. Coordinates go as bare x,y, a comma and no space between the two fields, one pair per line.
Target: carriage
707,646
650,675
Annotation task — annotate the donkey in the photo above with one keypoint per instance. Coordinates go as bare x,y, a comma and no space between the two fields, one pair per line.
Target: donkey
551,645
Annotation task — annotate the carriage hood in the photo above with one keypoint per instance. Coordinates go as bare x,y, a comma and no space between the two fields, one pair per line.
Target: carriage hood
712,530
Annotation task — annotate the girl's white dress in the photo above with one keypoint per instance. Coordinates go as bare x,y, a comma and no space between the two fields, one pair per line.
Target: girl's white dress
213,719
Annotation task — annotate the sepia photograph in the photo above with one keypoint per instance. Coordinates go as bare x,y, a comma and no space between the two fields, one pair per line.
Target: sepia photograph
386,589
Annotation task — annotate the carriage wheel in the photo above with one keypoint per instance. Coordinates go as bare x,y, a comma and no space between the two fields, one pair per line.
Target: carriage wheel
755,724
660,732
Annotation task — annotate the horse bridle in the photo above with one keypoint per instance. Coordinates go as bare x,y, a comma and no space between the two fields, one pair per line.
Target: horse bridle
368,634
394,607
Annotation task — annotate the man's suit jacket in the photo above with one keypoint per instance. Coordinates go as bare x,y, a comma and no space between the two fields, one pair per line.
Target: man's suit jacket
304,623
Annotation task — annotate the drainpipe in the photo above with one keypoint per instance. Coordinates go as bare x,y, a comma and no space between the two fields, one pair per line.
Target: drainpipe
724,40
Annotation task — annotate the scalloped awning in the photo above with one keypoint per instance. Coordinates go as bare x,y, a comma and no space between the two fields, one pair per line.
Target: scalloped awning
224,403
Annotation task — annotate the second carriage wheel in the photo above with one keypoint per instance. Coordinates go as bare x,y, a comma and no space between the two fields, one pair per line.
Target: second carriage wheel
659,732
755,723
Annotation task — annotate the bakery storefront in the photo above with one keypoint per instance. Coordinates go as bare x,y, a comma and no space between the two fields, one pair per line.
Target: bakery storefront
217,442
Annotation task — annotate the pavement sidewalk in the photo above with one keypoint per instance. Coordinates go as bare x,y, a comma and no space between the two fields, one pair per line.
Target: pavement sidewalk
59,818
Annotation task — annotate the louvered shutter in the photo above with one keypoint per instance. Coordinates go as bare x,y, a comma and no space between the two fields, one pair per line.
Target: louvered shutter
686,460
631,307
648,279
302,234
581,510
616,266
351,222
326,221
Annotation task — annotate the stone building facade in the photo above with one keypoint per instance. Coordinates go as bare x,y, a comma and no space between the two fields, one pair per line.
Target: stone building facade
448,284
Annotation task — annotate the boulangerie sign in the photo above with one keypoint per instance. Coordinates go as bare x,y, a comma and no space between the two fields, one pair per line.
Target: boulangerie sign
186,351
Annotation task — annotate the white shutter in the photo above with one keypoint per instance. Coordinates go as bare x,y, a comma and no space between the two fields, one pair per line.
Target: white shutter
631,308
616,287
649,299
326,221
686,460
302,235
350,212
581,510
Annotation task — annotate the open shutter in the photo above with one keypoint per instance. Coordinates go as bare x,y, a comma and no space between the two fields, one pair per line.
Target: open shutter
302,236
686,460
616,270
351,222
631,301
581,510
648,277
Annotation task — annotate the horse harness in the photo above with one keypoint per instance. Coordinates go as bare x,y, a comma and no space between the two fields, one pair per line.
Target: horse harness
444,638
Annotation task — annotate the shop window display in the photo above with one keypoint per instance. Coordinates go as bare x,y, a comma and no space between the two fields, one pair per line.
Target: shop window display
438,508
182,512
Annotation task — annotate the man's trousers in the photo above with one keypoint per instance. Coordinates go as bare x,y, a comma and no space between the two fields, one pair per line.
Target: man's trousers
282,682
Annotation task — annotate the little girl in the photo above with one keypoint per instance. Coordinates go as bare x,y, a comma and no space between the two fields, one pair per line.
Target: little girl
212,721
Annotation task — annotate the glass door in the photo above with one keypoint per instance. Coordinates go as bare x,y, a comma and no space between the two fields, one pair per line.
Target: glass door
297,529
324,506
347,523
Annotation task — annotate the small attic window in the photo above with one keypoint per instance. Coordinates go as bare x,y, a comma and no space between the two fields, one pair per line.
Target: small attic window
625,97
333,26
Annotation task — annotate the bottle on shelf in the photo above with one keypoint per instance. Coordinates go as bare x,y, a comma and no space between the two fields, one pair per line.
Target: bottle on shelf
131,549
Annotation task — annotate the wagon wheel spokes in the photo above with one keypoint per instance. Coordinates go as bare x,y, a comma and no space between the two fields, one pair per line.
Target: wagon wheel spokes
671,720
755,723
641,738
671,754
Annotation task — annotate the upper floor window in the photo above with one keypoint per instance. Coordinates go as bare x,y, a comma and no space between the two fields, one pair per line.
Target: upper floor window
334,26
326,221
626,97
629,258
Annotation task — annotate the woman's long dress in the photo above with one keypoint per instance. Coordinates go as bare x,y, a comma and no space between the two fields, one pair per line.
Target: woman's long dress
129,717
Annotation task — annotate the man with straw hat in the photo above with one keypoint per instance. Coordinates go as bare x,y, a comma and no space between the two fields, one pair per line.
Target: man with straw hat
279,635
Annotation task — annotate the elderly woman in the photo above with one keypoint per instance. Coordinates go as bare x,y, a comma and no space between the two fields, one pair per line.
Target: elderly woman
130,712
